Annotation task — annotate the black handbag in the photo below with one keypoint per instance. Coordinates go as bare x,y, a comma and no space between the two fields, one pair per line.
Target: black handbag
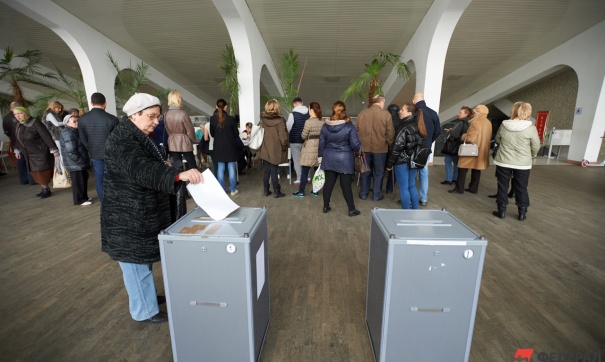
361,163
450,147
178,202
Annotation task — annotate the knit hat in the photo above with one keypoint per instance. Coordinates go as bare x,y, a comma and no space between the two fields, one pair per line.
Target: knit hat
140,101
66,119
22,109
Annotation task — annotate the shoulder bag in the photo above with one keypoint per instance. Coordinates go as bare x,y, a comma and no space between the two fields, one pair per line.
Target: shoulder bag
361,163
256,137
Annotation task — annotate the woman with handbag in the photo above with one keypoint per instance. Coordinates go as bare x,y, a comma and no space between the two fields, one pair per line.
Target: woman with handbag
338,140
450,148
227,145
181,133
274,148
308,155
478,136
410,134
75,160
519,143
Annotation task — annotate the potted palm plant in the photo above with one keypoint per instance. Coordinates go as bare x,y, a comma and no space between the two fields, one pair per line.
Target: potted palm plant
23,68
230,84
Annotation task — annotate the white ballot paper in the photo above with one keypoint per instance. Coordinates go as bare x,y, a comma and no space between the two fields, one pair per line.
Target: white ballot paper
211,197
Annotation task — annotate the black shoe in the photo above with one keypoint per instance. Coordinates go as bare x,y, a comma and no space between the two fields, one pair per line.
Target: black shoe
161,299
326,209
298,194
267,193
492,196
40,193
380,198
446,182
45,193
278,194
354,213
469,190
455,192
161,317
363,197
423,203
522,214
511,195
500,213
2,173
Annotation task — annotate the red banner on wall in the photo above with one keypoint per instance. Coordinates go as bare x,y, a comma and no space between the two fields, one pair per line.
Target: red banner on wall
541,122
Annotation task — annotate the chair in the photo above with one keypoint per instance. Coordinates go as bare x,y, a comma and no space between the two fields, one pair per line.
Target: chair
288,165
4,147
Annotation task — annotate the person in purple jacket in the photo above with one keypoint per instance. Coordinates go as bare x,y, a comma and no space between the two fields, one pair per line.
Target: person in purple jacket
337,142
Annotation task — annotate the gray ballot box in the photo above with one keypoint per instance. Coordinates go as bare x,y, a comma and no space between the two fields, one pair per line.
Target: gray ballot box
424,275
216,278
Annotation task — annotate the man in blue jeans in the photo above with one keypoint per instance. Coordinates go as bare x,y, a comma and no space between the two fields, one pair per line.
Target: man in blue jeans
94,128
433,129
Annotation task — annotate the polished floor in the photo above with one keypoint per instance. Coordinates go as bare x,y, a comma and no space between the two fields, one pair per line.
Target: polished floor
62,299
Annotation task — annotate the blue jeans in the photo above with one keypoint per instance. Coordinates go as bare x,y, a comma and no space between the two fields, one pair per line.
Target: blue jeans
232,174
377,162
406,178
99,167
449,160
142,298
423,175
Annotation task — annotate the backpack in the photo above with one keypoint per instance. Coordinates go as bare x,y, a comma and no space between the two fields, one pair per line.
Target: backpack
420,155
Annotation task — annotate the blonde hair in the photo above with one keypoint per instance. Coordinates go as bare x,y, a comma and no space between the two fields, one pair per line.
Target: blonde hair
52,105
271,108
524,111
175,99
514,113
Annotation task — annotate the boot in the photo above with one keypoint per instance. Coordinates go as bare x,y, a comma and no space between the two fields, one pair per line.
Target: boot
267,192
501,213
45,193
277,192
522,213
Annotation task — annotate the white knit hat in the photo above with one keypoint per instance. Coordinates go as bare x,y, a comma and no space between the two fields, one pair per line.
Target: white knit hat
66,119
140,101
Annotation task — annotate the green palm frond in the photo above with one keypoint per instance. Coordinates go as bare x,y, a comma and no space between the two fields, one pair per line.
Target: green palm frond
23,68
287,76
128,81
230,85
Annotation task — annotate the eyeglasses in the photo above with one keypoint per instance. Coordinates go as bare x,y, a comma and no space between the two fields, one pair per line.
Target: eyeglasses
153,116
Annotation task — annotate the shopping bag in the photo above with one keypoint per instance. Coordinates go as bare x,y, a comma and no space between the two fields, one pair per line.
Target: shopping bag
319,178
256,137
61,179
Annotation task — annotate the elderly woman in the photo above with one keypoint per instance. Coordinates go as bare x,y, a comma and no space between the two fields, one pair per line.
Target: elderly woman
136,205
181,134
274,149
308,154
35,144
479,132
337,142
75,160
519,143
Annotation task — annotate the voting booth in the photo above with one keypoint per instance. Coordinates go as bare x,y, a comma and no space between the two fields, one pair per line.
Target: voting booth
424,275
216,279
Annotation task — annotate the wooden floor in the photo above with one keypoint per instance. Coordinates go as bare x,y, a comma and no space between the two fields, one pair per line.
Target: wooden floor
62,299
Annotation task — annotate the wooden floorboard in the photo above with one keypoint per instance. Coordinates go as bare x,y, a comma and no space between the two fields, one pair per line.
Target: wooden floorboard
62,299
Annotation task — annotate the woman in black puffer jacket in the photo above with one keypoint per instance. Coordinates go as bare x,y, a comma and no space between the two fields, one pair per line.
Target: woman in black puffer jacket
75,160
411,133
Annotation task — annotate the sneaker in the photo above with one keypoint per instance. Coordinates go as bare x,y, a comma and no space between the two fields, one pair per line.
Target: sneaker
89,199
234,192
314,194
288,177
297,183
86,203
298,194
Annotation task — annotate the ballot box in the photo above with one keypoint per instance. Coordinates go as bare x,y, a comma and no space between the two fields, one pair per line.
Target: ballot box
424,274
216,279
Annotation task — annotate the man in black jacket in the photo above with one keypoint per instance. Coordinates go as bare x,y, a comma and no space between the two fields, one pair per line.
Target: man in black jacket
94,128
433,129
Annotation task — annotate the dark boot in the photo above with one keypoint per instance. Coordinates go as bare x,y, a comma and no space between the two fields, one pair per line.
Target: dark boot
45,193
267,192
501,213
278,192
522,213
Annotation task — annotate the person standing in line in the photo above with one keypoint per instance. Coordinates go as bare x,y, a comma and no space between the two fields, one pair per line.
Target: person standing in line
274,148
519,143
181,134
36,145
227,145
479,133
376,132
9,125
337,142
433,129
308,154
75,160
53,120
136,205
295,124
457,128
395,112
94,127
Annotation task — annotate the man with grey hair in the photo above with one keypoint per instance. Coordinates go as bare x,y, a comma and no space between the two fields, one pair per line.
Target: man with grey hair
376,132
433,129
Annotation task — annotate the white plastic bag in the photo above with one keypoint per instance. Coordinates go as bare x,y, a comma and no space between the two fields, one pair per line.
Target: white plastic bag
256,137
319,179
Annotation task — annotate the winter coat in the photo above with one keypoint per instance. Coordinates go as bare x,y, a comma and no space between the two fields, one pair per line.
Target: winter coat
431,122
136,204
337,142
227,144
479,133
274,148
405,142
74,153
54,123
94,128
35,143
310,134
181,133
375,127
519,142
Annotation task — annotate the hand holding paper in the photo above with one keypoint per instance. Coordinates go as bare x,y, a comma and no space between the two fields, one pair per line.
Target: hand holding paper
211,197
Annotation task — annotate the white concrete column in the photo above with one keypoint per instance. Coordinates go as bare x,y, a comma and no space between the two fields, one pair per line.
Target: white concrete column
251,54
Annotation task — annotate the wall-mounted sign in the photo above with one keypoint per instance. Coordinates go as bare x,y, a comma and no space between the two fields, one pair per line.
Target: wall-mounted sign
541,121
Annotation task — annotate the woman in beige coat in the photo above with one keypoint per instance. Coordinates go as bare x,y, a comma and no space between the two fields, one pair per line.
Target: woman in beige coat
479,133
274,149
308,155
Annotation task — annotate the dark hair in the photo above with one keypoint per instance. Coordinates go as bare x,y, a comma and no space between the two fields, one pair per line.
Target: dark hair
339,111
376,99
316,108
468,110
220,108
297,99
419,118
249,124
97,99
